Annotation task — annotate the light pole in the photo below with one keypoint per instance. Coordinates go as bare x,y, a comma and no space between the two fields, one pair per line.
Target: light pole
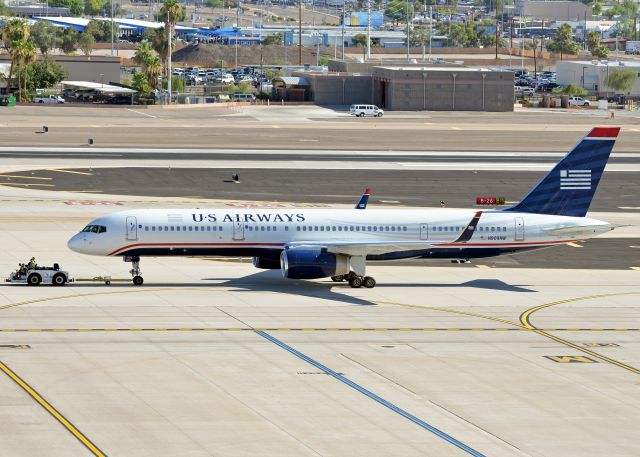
424,91
111,27
453,99
368,29
484,75
430,30
102,79
343,19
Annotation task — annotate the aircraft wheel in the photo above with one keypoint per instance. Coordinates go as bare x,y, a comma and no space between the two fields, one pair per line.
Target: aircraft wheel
355,282
369,282
137,280
338,278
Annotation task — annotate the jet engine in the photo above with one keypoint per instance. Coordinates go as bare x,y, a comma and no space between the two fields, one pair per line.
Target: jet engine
313,264
266,264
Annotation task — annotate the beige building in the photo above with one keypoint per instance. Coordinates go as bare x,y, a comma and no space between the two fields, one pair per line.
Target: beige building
96,69
554,10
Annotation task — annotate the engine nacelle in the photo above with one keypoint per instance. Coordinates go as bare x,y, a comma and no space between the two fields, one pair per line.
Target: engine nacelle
313,264
266,264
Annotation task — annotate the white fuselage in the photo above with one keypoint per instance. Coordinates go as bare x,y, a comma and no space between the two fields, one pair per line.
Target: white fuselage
258,232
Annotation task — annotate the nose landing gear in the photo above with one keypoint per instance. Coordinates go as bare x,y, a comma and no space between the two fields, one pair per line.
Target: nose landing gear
135,271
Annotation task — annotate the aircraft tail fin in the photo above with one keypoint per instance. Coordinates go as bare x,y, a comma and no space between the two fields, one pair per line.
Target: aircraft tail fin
568,189
362,203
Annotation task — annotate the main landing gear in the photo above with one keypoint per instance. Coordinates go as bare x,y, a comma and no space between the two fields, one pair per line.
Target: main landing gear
356,281
135,270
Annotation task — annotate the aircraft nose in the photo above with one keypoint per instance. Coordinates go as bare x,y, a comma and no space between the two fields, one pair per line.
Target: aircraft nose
76,243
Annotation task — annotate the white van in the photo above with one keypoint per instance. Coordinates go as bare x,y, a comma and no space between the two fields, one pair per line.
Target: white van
240,97
365,110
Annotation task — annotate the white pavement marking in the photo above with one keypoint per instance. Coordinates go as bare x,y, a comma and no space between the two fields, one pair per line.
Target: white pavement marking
141,113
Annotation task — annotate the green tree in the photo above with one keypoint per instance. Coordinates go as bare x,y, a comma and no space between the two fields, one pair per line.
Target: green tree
158,39
563,41
4,9
244,87
45,73
276,38
26,53
44,35
76,7
101,30
69,42
594,46
15,32
398,11
146,57
139,83
94,7
418,36
621,80
215,3
86,43
570,90
360,40
597,8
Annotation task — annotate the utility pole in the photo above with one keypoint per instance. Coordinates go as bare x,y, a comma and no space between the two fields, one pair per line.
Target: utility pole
300,32
111,27
424,30
343,19
430,30
497,30
238,29
368,29
169,75
408,50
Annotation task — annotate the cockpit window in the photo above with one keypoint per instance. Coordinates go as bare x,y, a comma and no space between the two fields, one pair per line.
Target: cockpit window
95,229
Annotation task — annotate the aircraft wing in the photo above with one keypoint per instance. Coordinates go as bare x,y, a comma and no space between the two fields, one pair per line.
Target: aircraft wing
362,249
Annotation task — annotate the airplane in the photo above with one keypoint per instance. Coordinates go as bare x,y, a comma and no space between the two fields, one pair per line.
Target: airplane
337,243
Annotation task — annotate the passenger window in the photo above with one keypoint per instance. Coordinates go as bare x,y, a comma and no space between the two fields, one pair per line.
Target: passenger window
153,228
404,228
146,228
262,228
286,228
340,228
191,228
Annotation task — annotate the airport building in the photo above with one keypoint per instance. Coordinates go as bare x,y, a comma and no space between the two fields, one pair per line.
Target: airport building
592,75
403,88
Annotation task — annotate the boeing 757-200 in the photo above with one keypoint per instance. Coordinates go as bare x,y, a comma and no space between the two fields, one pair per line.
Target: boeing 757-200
337,243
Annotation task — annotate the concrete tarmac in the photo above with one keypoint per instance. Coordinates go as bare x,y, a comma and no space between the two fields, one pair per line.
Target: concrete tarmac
294,127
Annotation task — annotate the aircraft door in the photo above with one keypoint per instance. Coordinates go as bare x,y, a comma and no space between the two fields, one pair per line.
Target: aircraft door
238,230
424,231
519,229
132,228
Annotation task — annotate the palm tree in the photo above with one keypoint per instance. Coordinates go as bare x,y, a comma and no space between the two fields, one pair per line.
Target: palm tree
147,58
25,55
159,43
15,31
143,52
172,12
152,70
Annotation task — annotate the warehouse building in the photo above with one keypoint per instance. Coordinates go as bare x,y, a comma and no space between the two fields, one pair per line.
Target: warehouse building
410,88
592,75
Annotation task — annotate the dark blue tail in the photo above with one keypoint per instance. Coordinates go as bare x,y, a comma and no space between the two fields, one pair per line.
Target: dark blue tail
362,203
569,187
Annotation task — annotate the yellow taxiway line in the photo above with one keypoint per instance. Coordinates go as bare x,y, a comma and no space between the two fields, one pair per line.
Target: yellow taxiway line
51,410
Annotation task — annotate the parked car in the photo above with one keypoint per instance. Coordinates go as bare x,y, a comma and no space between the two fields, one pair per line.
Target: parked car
365,110
528,91
119,100
578,101
50,99
618,99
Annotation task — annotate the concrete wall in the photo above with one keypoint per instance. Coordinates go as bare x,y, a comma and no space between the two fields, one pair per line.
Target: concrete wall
82,68
340,90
